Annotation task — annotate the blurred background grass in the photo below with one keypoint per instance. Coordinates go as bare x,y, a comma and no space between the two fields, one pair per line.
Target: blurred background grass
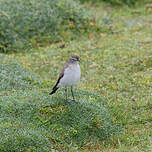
25,24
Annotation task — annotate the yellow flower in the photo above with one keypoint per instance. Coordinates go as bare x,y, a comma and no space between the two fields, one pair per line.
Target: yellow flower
91,23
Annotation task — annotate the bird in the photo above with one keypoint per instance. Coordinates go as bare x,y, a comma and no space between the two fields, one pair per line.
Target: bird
69,76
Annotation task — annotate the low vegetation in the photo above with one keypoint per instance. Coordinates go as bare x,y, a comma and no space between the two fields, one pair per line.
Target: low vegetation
30,23
114,94
115,2
31,120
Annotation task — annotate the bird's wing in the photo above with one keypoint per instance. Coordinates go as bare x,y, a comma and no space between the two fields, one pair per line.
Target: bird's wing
60,76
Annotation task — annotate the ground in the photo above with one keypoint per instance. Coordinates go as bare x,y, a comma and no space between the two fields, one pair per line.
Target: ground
116,66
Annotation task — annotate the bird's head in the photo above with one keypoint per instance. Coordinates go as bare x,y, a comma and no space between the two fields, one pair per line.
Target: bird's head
74,59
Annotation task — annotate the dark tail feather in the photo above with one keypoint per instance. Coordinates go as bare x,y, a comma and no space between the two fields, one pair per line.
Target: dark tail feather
54,90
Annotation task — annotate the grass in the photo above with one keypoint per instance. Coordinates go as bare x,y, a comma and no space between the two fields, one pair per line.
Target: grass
33,121
27,24
115,89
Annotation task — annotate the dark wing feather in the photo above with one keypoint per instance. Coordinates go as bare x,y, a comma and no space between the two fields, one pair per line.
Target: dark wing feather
58,81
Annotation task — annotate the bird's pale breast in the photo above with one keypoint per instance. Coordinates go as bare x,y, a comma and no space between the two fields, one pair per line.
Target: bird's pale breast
71,75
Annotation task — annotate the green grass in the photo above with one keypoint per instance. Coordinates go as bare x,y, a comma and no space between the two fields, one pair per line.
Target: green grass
33,121
26,24
114,2
13,76
115,91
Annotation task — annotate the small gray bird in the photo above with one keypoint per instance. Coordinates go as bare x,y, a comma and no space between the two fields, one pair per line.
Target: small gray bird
69,76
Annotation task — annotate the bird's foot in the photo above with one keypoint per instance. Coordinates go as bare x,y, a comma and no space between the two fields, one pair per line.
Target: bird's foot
67,102
75,101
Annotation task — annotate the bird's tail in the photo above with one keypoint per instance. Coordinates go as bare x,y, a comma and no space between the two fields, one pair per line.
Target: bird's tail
54,90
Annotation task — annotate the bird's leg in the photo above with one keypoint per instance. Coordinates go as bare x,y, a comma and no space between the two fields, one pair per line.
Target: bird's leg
66,94
72,93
